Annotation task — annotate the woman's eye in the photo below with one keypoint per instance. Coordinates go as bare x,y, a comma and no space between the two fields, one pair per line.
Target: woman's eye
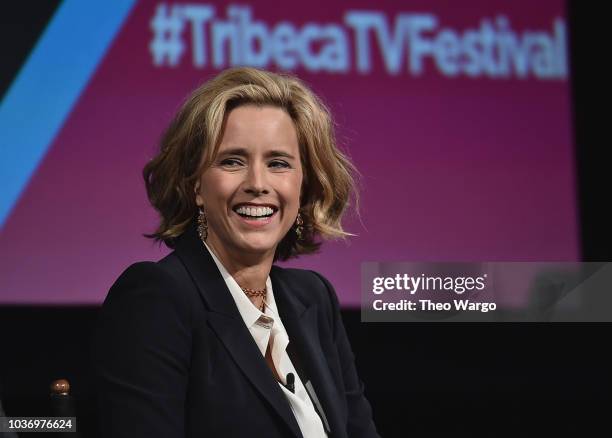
279,164
231,162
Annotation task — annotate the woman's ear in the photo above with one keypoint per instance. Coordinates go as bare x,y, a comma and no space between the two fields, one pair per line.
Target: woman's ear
198,197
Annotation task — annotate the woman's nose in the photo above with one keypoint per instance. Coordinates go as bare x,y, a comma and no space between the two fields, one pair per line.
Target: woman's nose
256,180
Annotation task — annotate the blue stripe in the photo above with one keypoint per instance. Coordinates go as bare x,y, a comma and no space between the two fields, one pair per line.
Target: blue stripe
50,82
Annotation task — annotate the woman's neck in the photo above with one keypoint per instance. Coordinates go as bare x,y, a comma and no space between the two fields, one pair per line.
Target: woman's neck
250,270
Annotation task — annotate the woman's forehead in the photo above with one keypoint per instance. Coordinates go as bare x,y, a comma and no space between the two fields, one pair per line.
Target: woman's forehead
259,129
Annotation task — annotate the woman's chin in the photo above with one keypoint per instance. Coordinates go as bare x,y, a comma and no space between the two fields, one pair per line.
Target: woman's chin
259,244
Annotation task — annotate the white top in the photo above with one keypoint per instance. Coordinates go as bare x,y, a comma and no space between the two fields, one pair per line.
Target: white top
268,327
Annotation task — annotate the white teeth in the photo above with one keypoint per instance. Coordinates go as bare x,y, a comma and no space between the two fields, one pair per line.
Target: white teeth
254,211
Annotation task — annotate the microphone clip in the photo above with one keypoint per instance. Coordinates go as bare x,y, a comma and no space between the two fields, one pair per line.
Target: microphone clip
290,382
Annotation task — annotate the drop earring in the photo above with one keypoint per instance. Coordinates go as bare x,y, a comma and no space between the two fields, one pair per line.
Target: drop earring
202,225
299,226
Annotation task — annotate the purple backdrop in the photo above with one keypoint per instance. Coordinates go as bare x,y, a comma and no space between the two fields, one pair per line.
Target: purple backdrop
457,118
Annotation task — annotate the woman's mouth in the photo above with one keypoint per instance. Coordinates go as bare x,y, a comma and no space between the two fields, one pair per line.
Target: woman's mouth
255,215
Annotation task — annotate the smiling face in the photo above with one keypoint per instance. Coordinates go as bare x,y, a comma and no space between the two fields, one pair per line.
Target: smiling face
251,192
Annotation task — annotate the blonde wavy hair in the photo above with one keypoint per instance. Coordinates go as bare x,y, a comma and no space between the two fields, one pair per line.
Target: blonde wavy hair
190,144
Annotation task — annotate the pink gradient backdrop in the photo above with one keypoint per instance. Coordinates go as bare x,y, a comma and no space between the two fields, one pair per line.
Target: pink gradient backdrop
453,169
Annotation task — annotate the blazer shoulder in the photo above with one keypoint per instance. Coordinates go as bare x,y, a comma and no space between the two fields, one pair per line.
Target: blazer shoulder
161,282
140,273
312,284
304,277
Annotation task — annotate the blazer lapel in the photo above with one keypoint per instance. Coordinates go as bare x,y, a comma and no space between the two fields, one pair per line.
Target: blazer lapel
301,324
228,324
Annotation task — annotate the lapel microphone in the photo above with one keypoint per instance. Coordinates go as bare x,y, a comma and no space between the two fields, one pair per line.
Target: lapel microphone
290,382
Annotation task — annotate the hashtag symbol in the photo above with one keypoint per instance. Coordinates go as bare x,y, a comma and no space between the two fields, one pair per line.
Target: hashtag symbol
167,45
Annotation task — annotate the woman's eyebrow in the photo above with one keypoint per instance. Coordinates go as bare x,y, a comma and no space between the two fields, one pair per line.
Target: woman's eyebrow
277,153
243,152
235,151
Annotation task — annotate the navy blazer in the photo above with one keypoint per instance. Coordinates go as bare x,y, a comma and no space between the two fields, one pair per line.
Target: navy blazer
173,357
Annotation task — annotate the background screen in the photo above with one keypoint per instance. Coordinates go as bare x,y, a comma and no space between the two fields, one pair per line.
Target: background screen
458,120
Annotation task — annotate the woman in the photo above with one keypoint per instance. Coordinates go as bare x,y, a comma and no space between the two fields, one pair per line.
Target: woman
214,340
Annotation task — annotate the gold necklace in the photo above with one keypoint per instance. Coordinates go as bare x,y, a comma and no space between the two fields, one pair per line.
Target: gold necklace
256,293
